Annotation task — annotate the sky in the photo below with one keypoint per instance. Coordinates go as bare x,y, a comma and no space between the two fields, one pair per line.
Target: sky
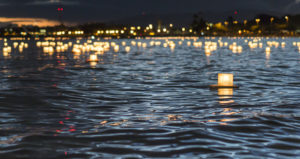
44,12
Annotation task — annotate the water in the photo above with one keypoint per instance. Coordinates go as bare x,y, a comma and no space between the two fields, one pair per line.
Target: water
151,102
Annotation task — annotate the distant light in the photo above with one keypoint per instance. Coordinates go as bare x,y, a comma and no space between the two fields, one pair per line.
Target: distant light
235,12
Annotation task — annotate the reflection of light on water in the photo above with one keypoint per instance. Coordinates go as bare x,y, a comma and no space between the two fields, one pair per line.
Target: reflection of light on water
228,111
173,117
207,54
226,102
208,60
268,54
225,91
224,121
225,95
93,64
76,57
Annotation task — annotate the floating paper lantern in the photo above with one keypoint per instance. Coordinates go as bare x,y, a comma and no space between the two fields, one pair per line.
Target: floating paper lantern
116,48
188,43
127,48
15,44
93,58
133,43
139,44
144,45
240,49
225,80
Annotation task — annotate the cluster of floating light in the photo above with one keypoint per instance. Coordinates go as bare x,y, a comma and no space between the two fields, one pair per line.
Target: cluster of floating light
94,45
236,48
13,43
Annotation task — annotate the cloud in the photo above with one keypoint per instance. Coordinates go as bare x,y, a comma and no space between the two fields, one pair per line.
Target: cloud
4,4
53,2
291,5
41,22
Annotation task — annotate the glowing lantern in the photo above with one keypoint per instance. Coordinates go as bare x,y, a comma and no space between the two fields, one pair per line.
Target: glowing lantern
93,58
240,49
225,79
116,48
188,43
268,55
20,48
144,45
127,48
225,94
139,44
207,53
15,44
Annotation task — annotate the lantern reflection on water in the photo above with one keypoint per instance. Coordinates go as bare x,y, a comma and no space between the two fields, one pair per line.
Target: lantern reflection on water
93,64
268,55
225,92
225,95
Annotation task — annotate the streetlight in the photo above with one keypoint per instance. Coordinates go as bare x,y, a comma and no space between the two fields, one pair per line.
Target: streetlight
257,21
272,19
287,19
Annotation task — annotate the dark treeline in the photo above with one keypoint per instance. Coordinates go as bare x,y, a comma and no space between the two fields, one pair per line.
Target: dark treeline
261,24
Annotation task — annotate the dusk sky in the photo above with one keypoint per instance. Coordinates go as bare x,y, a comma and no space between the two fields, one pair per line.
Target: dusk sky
79,11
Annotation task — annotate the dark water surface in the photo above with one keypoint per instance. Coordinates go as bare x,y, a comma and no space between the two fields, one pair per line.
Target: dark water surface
151,102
